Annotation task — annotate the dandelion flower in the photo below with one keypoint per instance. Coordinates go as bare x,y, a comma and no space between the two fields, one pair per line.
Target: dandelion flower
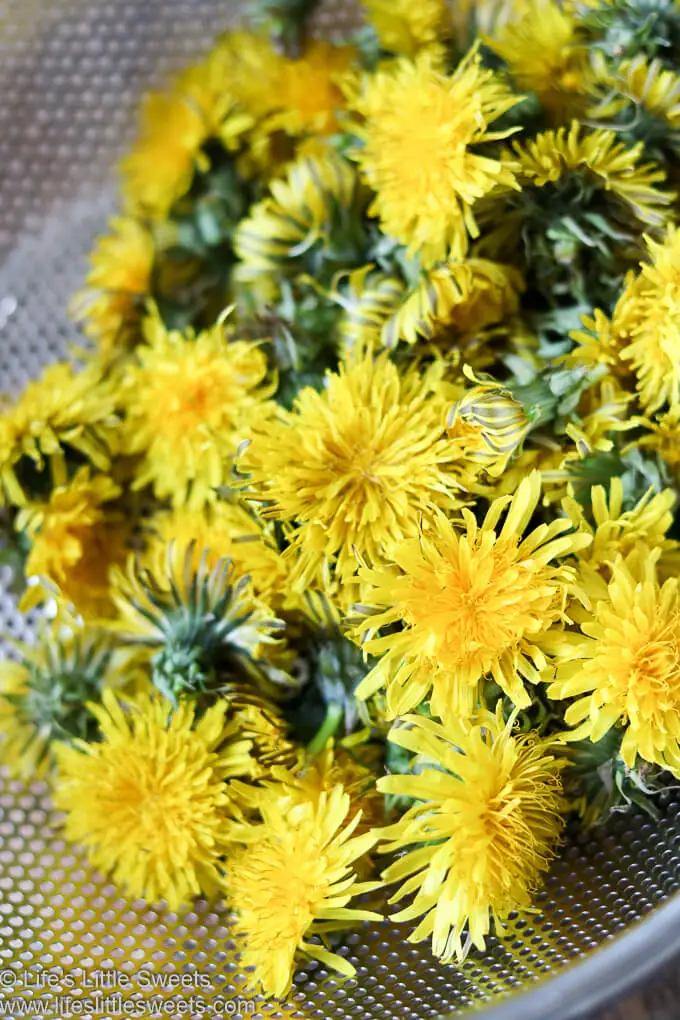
472,600
404,27
544,56
117,286
308,90
623,668
224,529
149,801
66,409
316,197
43,697
617,532
650,308
421,134
454,301
174,127
76,539
200,626
485,826
188,399
637,86
353,468
292,877
613,167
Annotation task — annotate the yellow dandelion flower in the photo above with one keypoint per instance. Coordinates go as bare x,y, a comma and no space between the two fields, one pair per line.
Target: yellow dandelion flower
187,400
43,696
472,600
368,298
309,780
485,826
617,532
117,286
600,342
261,722
623,668
663,435
544,56
150,800
161,166
606,162
308,91
298,97
65,409
223,529
650,310
488,425
174,127
454,301
301,210
76,539
353,468
292,877
420,134
252,70
638,85
404,27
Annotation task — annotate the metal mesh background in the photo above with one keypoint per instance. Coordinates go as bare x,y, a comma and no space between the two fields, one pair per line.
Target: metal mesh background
71,72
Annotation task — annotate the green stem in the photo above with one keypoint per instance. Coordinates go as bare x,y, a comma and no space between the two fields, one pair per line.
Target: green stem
334,713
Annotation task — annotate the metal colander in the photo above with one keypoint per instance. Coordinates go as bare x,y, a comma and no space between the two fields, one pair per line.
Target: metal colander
71,74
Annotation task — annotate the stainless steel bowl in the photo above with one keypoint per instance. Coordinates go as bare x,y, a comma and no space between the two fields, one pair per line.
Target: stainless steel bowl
71,74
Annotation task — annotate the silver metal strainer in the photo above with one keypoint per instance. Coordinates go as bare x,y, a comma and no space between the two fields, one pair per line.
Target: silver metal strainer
71,73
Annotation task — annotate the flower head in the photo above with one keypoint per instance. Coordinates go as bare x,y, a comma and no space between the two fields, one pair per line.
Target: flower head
404,27
649,309
623,668
454,301
65,410
188,400
543,54
472,600
421,135
316,200
484,827
293,876
75,541
223,530
43,697
150,800
200,626
117,286
174,127
352,468
617,532
609,164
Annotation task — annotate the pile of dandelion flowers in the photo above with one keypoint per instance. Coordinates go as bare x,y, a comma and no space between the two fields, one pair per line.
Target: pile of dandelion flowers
418,130
472,600
150,801
292,878
624,666
352,468
188,400
486,825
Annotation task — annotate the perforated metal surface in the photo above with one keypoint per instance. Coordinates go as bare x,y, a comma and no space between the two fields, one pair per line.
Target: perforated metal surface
71,72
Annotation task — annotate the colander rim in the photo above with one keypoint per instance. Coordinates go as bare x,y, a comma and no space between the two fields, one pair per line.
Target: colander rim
607,973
